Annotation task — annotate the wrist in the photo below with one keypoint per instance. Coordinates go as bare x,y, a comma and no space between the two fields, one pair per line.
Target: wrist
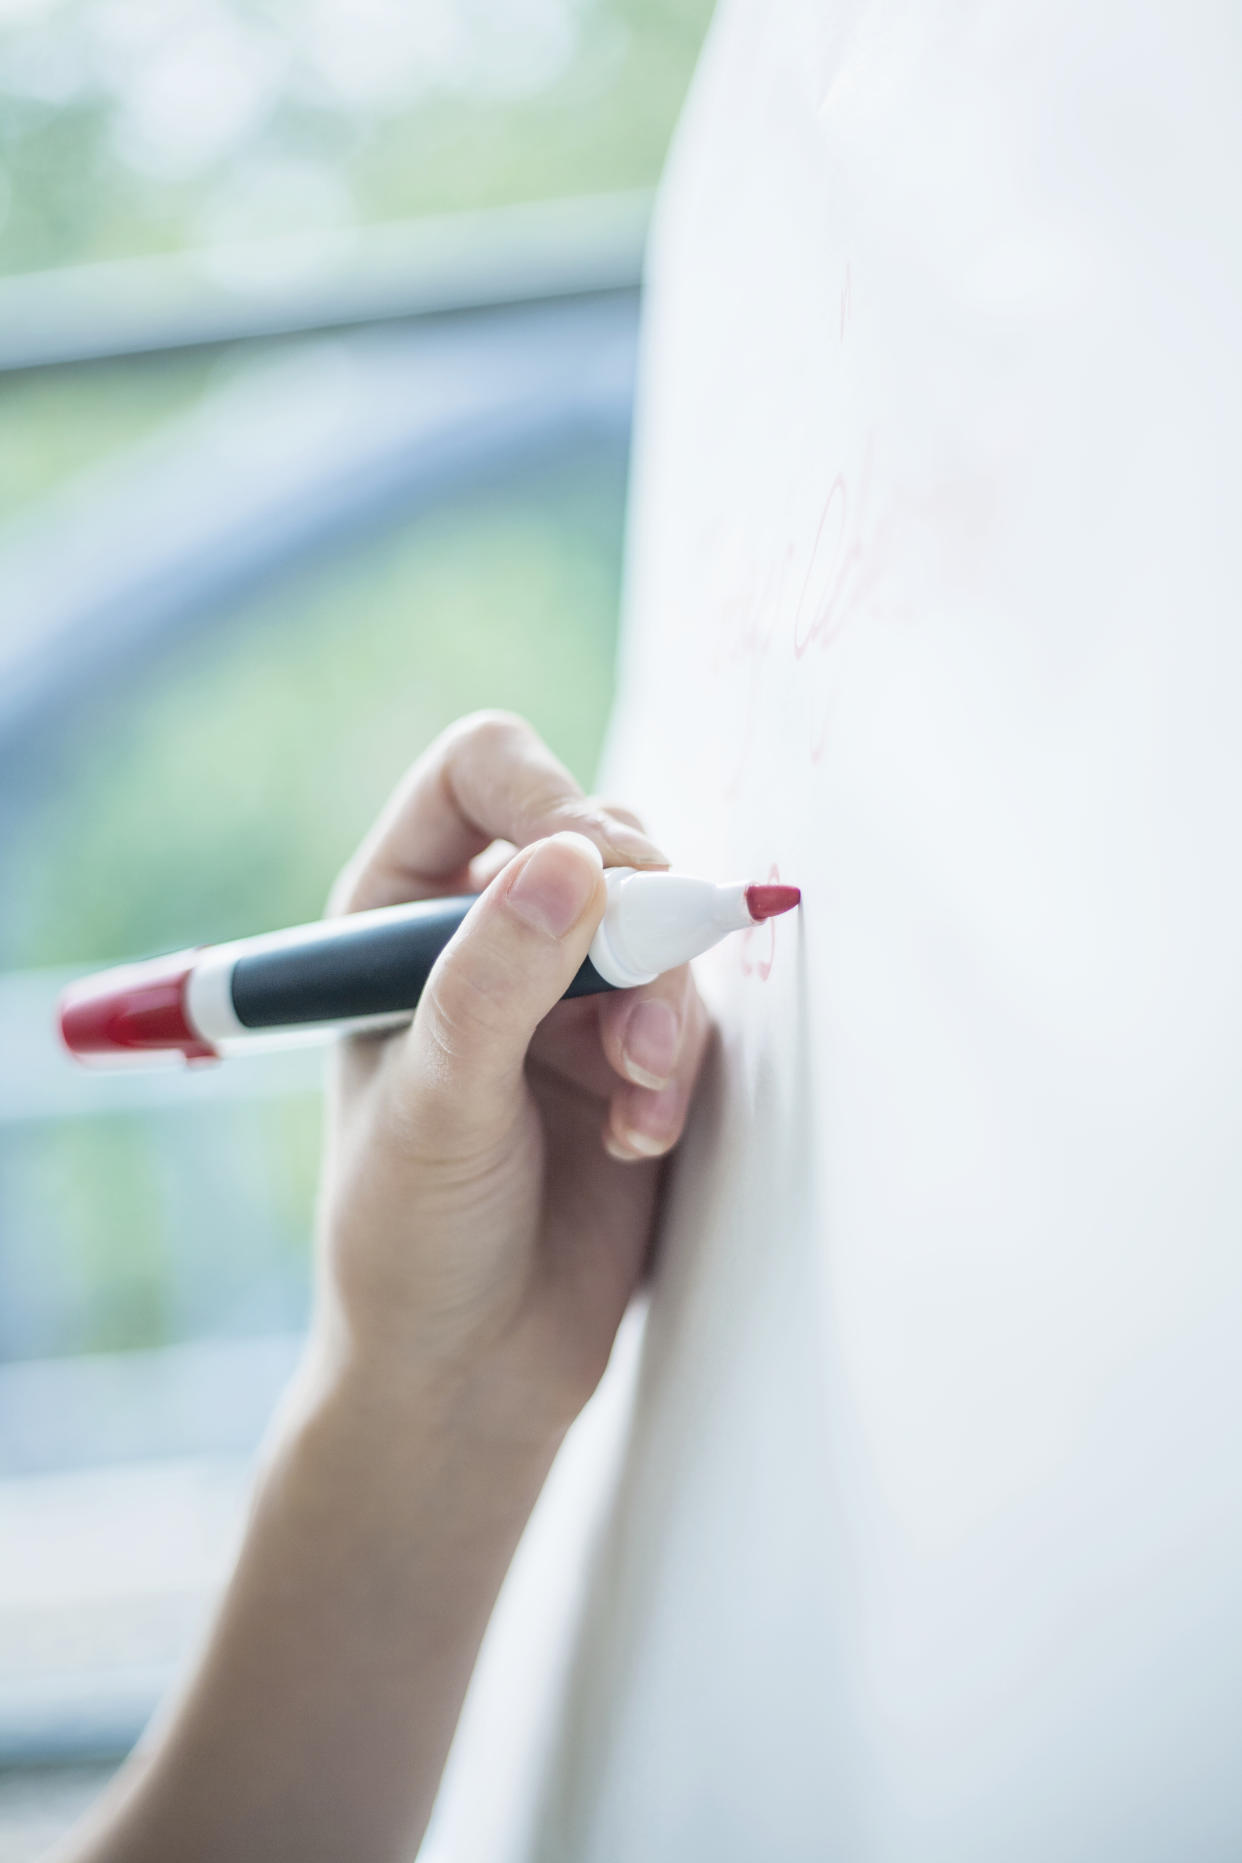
459,1417
505,1377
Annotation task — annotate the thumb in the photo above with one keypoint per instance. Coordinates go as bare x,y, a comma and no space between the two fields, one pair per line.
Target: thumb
510,961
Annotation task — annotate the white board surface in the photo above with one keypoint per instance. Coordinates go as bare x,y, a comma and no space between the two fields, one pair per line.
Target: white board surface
926,1539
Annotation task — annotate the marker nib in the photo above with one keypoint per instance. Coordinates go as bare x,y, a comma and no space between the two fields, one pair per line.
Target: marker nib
768,902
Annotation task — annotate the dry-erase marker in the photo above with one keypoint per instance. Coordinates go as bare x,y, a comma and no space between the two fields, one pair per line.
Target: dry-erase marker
367,971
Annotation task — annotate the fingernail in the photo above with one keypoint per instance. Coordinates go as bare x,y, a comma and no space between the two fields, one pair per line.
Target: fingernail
650,1041
652,1124
557,883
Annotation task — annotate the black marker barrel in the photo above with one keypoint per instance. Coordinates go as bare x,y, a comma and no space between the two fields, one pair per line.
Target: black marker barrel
362,965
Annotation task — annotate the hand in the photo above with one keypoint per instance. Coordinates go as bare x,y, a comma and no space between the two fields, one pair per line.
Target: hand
487,1209
492,1171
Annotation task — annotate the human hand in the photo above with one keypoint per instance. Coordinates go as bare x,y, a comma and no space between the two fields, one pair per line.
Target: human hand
486,1210
491,1172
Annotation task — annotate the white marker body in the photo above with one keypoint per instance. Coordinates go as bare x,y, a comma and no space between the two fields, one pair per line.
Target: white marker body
656,921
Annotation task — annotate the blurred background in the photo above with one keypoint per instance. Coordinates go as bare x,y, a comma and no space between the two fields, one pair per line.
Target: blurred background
317,324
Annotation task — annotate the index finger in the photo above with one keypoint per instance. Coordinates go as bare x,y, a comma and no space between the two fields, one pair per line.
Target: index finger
488,777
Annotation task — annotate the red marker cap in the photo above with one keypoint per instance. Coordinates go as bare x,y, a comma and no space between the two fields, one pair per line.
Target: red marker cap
136,1007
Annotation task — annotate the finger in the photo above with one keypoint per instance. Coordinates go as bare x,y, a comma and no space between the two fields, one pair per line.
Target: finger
646,1123
642,1030
485,866
510,961
590,1040
567,1044
619,813
488,777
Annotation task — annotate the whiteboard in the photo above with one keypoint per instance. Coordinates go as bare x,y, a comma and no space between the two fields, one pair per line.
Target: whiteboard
912,1528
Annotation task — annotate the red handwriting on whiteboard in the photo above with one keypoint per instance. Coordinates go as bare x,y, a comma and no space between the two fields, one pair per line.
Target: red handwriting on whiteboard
777,598
845,562
850,558
749,599
800,548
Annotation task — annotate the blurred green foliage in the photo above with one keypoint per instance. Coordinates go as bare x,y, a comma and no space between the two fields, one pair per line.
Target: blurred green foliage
57,423
131,126
139,1230
223,795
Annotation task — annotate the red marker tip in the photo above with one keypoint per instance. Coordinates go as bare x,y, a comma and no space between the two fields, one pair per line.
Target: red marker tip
767,902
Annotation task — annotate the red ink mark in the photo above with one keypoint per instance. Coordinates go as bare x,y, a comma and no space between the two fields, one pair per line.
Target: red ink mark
823,570
849,560
762,967
750,608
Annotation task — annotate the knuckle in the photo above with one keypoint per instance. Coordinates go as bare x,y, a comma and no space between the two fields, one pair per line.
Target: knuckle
547,809
617,811
491,732
502,775
467,1010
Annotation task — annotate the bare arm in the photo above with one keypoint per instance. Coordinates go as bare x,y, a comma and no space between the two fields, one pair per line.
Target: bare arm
488,1194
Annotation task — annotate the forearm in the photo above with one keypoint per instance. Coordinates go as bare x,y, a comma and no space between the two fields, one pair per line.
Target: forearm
486,1210
318,1721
